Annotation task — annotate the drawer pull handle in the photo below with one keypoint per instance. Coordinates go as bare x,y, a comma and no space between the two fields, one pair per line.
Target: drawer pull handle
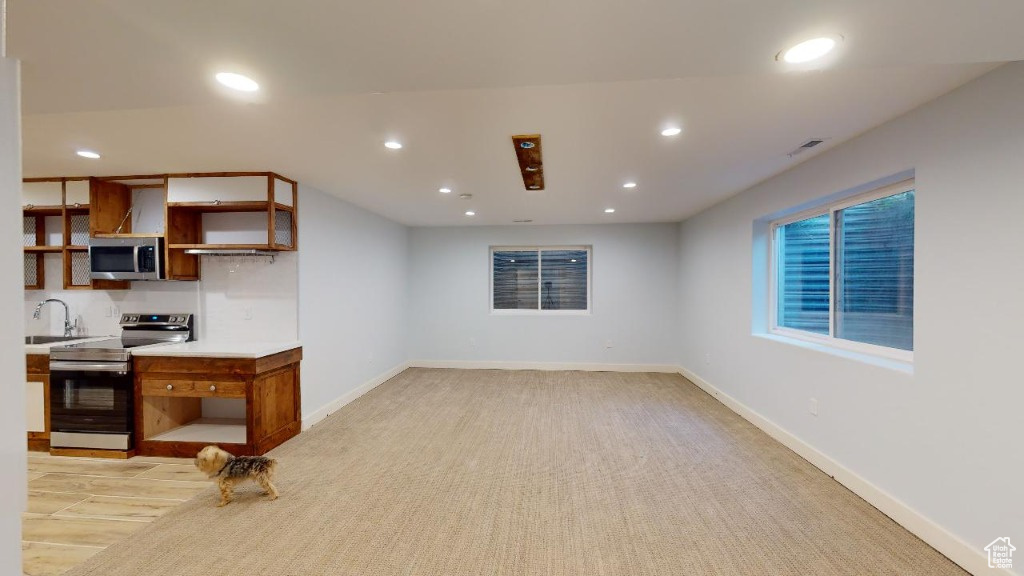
170,387
213,388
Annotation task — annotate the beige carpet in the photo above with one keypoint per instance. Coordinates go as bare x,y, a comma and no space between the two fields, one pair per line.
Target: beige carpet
452,472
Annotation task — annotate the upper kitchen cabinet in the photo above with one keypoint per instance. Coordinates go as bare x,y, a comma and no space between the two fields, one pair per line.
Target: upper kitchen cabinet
42,194
127,206
111,204
227,212
55,214
42,203
76,193
221,212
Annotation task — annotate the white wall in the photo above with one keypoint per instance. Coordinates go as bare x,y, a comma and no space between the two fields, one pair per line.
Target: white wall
250,298
945,440
12,360
353,283
239,299
633,297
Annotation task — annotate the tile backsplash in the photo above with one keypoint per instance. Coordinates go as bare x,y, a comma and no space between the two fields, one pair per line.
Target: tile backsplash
247,299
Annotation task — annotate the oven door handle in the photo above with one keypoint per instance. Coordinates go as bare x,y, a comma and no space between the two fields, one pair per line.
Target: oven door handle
120,367
135,256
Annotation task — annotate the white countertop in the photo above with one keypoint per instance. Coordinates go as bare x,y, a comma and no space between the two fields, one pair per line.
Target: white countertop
45,348
215,349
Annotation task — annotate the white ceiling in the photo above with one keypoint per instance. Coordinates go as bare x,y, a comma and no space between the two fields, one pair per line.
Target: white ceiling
454,79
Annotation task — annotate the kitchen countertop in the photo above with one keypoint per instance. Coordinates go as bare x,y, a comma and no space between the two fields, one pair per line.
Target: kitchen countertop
217,349
45,348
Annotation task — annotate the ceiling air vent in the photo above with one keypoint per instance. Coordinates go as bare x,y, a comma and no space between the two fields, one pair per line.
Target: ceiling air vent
806,146
530,165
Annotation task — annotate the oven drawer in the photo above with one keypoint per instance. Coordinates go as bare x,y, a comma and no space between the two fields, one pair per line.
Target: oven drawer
193,388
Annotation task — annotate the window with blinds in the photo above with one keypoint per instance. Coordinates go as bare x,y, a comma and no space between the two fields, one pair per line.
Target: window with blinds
540,279
847,272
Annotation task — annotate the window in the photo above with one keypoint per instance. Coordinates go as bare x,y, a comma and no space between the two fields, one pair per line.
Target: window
845,273
541,279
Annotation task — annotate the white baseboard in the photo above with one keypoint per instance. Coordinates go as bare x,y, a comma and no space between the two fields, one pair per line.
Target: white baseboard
334,405
511,365
968,557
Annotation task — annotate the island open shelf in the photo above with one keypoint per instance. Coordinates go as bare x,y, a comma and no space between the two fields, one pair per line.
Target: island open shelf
207,430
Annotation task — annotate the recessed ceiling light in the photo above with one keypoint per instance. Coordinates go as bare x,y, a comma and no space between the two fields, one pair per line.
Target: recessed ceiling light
572,260
629,185
512,261
237,82
671,131
393,144
445,190
809,50
87,154
609,210
470,213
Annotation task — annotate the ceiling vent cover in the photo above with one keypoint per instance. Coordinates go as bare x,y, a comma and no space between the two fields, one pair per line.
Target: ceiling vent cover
806,146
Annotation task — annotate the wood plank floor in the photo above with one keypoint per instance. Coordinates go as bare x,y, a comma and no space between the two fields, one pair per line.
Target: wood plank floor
79,506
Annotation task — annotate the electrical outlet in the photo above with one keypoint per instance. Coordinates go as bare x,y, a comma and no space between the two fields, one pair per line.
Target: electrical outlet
707,358
609,344
109,311
247,313
812,406
472,342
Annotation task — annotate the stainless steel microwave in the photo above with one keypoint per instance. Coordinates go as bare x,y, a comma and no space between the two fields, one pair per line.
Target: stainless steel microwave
135,258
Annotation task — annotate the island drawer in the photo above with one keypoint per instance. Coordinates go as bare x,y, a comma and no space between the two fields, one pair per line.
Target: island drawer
192,388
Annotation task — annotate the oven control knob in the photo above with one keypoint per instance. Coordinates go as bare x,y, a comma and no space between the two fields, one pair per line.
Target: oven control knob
170,387
213,388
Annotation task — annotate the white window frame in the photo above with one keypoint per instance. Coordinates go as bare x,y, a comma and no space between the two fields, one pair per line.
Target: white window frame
539,311
773,285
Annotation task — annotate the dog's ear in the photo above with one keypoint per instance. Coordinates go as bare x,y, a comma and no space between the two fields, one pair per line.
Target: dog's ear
218,457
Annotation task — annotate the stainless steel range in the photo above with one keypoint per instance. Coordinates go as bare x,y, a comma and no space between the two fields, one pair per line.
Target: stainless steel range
91,384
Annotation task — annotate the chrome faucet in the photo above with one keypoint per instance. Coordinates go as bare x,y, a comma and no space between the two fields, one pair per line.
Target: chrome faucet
69,328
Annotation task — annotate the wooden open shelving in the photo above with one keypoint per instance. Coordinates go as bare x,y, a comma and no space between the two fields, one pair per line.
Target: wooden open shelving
67,202
187,222
244,206
100,207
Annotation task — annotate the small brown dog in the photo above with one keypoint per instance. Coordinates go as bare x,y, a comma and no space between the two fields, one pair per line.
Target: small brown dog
230,470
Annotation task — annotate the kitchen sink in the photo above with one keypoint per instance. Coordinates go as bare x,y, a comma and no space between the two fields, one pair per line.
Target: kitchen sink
49,339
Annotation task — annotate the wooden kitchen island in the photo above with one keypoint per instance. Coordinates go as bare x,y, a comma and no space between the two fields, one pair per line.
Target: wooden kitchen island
177,386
